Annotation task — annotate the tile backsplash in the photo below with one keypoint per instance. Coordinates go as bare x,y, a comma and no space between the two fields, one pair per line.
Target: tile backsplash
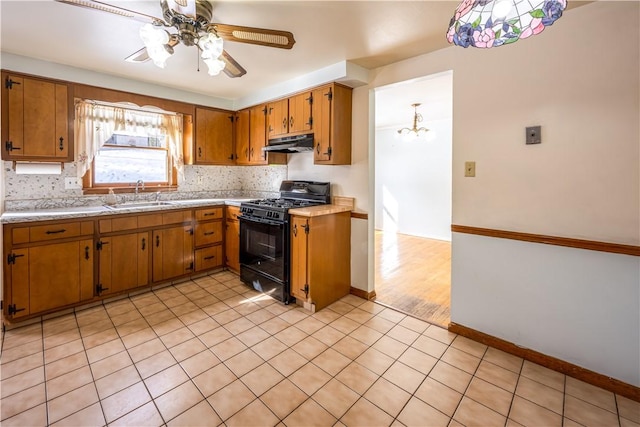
24,192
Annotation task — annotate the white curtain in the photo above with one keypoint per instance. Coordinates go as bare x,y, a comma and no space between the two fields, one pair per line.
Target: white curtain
96,123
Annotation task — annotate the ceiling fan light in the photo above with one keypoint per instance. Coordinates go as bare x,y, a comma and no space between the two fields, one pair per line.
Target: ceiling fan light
159,54
215,65
153,36
211,46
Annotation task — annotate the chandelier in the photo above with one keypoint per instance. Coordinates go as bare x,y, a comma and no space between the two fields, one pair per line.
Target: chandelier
490,23
417,118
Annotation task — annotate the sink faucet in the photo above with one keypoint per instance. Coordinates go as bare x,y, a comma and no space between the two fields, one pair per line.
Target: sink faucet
138,184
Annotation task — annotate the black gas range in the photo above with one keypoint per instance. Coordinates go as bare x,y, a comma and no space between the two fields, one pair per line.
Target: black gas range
264,235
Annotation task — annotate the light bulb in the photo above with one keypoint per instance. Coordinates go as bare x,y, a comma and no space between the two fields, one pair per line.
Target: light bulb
211,46
151,35
215,65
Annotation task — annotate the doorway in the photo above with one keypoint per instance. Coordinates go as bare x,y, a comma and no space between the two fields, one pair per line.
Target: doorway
413,190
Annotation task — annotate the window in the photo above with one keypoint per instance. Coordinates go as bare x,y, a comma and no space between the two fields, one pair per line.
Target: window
120,146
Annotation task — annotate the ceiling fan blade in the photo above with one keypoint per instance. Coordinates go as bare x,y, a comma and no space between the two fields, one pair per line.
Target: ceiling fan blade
138,56
116,10
259,36
142,55
232,68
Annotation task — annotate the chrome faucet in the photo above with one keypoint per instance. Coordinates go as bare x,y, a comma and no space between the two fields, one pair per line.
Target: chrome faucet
138,184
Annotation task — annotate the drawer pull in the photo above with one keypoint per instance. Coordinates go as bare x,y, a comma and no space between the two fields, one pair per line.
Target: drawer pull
157,241
209,257
61,147
55,231
209,233
210,214
86,252
144,243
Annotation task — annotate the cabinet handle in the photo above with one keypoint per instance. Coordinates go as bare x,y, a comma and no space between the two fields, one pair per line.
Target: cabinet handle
86,252
284,123
209,213
209,233
291,122
190,267
295,230
55,231
199,151
8,145
318,148
246,153
144,243
61,147
157,240
230,157
209,257
251,151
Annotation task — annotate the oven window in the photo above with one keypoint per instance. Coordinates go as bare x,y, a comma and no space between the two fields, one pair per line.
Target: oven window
261,248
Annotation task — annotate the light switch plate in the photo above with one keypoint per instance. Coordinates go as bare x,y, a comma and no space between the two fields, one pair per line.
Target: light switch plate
470,169
534,135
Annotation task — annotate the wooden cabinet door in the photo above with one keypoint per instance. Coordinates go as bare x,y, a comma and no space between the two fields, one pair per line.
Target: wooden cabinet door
18,272
214,137
300,113
59,274
38,125
232,245
322,99
258,135
278,117
124,262
299,258
172,252
243,137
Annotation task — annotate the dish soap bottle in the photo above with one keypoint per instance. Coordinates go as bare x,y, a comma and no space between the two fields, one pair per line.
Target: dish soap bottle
111,198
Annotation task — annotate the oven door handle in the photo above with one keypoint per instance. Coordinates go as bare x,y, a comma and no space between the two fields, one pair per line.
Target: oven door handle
261,221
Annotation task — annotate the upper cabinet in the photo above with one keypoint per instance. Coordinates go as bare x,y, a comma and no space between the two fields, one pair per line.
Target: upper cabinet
214,137
331,112
290,116
35,119
251,137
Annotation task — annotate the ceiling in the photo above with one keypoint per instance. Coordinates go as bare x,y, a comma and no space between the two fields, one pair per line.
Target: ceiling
368,33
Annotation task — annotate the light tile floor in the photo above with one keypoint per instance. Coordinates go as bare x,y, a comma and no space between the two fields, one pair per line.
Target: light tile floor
213,352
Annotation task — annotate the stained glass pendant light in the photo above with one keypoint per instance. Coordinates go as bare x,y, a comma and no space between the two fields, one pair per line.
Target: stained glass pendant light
491,23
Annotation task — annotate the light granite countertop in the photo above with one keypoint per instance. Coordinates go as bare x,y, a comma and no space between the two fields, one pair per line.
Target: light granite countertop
9,217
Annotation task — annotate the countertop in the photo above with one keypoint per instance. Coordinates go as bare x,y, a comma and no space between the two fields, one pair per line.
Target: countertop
84,211
320,210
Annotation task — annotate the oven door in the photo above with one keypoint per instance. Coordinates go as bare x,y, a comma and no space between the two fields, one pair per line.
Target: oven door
264,248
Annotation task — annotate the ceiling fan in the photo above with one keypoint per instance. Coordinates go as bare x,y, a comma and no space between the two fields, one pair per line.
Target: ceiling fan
192,21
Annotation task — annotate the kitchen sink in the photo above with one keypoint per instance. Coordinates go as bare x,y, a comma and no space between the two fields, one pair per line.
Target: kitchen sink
138,205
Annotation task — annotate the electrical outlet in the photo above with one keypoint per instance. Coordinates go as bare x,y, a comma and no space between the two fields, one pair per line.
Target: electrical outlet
72,184
470,169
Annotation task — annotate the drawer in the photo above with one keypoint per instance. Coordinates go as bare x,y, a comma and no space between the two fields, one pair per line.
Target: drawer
232,213
208,233
176,217
208,213
41,233
208,258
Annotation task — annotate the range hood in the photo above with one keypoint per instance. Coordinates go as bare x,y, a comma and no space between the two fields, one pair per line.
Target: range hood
290,144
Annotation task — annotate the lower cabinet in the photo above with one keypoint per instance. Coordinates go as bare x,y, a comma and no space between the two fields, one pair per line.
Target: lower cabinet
124,262
320,258
172,252
208,238
49,267
232,239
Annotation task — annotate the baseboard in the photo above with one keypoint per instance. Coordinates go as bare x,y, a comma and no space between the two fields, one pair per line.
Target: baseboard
582,374
362,294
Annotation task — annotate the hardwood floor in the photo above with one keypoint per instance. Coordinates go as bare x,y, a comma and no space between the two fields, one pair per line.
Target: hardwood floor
413,274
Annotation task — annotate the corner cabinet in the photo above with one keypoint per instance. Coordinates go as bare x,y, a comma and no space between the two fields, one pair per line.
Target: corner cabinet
214,137
331,112
36,119
320,258
47,266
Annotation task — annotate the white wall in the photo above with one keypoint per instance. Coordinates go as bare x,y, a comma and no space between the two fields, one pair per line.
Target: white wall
582,86
413,182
